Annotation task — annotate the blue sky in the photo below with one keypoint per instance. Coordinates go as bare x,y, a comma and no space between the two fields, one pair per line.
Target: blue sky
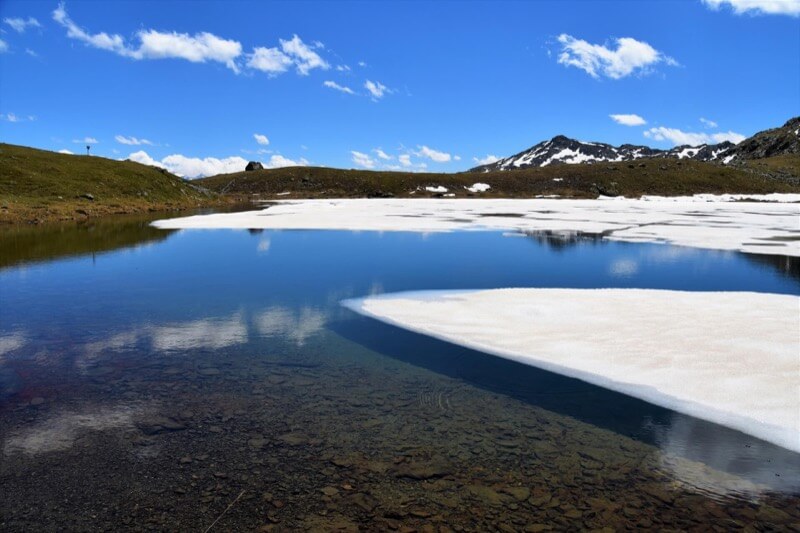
200,86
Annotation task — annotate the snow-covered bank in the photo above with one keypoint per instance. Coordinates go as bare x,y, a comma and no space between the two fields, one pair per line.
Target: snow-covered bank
729,357
765,227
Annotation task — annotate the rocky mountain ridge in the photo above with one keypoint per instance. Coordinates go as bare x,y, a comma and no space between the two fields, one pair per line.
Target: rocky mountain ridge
562,150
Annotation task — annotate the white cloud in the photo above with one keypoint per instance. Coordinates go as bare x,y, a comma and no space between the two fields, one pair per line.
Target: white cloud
376,89
628,120
678,137
768,7
195,167
31,52
488,160
270,60
86,140
404,160
153,44
363,160
65,151
456,158
305,59
198,48
261,139
144,158
343,68
362,64
104,41
433,155
336,86
278,161
708,123
131,141
3,46
630,56
20,25
383,155
13,117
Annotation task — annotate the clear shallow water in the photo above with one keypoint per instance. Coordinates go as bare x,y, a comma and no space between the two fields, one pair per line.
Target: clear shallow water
151,385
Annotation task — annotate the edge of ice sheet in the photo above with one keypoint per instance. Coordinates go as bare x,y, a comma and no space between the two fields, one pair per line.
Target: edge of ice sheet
727,357
771,228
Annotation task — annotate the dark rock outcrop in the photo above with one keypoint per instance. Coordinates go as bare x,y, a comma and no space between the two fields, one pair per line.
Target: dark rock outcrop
254,165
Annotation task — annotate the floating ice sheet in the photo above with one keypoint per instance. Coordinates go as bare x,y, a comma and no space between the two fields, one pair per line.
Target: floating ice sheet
729,357
764,227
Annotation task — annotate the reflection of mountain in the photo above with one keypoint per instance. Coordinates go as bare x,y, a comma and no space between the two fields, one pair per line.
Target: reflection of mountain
562,240
34,244
788,266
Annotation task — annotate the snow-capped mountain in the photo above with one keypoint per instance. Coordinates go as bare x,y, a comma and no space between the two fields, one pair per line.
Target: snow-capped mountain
563,150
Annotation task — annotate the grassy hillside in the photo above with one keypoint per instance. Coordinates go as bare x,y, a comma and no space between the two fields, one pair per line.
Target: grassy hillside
652,176
38,186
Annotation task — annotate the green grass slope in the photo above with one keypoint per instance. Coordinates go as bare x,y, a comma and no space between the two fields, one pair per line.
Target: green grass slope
668,177
38,186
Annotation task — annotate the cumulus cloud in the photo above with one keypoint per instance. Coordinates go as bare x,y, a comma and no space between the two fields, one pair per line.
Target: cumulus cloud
767,7
708,123
86,140
196,167
628,120
383,155
304,57
433,155
199,48
337,87
630,56
65,151
678,137
261,139
404,160
19,25
131,141
363,160
488,160
269,60
153,44
376,89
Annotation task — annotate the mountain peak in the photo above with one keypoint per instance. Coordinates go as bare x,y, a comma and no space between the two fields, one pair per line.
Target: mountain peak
562,150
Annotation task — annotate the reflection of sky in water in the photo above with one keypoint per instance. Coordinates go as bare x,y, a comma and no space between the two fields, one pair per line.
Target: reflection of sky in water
58,432
228,290
759,461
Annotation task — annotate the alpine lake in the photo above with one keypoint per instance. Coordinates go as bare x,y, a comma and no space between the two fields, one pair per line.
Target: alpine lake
210,380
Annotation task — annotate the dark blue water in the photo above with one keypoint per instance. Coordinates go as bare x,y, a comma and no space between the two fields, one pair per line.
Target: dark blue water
245,297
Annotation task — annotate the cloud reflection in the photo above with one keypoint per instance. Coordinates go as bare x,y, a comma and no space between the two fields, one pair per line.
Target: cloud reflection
295,325
59,432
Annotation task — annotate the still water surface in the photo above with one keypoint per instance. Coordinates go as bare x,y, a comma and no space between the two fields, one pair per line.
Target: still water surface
151,379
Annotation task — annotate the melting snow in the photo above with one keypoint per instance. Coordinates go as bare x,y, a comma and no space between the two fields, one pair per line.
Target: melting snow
727,357
479,187
438,188
766,227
